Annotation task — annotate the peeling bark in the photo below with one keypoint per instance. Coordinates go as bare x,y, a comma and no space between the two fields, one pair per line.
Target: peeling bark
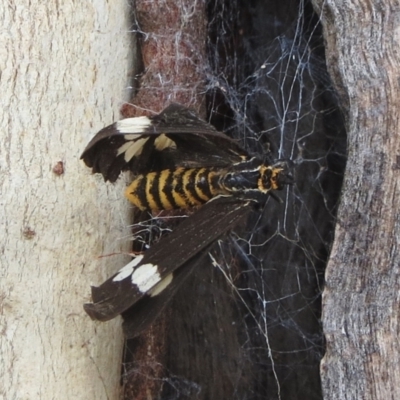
361,298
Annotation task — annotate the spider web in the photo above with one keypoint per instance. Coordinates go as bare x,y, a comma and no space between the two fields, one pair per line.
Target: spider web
247,324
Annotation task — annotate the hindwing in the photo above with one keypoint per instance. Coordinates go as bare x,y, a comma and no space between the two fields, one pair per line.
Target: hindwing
175,137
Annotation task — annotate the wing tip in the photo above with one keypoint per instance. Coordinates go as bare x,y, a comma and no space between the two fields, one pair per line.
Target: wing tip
94,313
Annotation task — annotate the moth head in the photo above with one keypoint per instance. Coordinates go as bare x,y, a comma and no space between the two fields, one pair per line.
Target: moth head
275,176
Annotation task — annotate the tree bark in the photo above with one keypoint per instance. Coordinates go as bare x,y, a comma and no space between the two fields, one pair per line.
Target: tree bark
64,69
266,342
361,297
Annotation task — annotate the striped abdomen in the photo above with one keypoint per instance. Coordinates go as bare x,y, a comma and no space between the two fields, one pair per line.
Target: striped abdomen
178,188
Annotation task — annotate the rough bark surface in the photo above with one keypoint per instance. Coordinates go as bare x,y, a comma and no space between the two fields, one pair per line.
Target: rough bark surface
207,345
361,299
172,36
173,55
64,66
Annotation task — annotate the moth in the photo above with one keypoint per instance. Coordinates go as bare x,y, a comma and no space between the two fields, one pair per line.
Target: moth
178,161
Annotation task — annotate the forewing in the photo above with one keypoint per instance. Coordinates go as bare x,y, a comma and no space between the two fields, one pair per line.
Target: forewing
143,313
139,279
176,137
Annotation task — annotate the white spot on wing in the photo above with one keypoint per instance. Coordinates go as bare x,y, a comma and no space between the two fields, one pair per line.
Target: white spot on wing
145,277
163,142
133,125
132,148
127,270
156,290
134,136
124,148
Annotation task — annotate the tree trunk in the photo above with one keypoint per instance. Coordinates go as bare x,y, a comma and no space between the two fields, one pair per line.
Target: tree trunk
252,331
361,297
64,67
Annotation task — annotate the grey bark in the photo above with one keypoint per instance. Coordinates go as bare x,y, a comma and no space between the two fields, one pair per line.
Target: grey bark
361,297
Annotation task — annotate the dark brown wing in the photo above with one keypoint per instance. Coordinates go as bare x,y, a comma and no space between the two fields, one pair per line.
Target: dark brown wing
143,313
148,276
176,137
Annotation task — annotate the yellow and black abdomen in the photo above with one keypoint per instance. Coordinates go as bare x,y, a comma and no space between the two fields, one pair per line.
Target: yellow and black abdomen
178,188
